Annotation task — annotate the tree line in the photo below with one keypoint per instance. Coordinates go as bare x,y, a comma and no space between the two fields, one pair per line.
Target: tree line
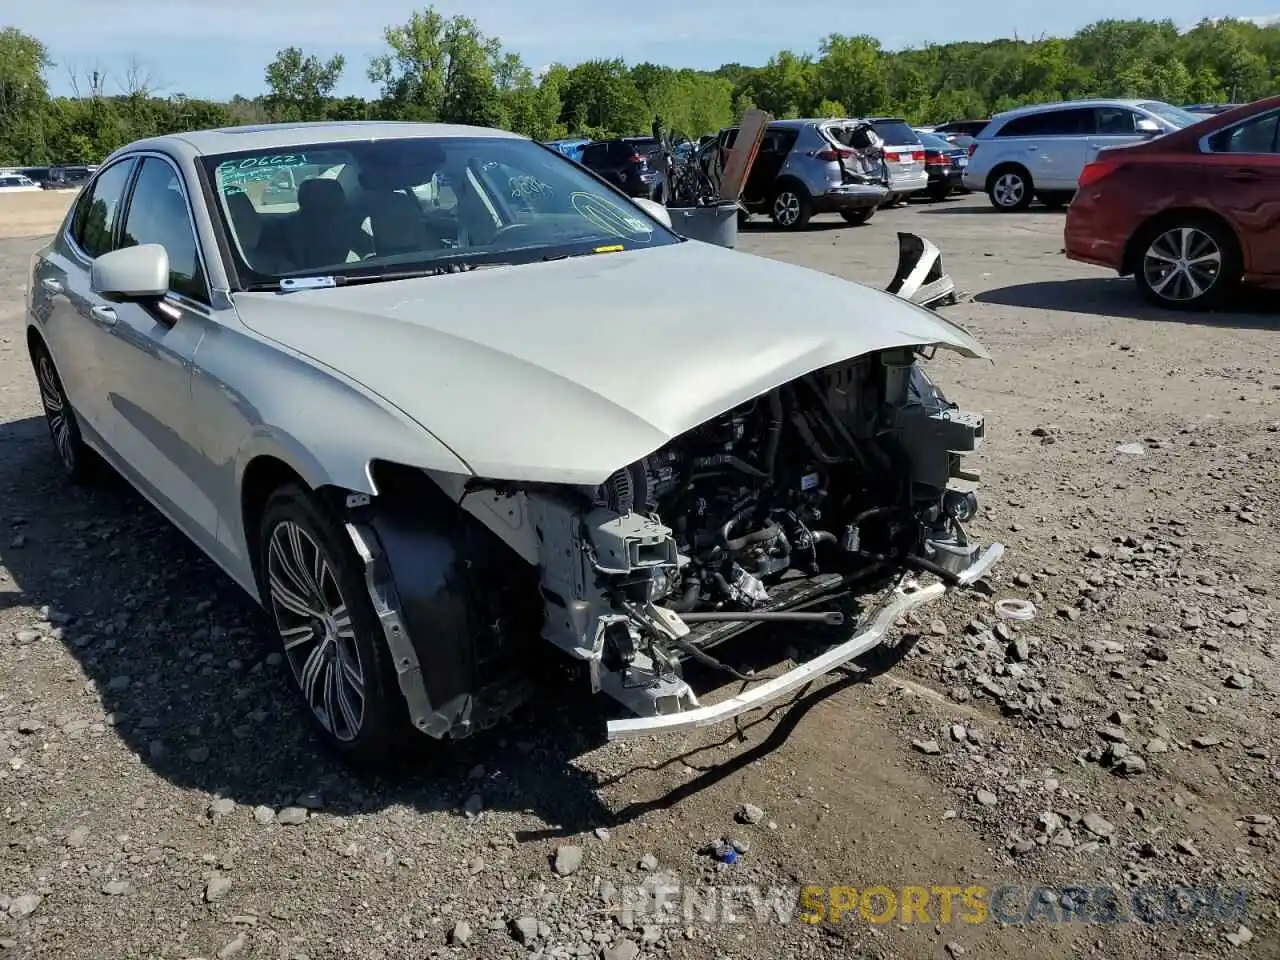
438,68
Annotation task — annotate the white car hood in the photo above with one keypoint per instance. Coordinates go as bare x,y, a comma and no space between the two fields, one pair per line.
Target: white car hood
565,371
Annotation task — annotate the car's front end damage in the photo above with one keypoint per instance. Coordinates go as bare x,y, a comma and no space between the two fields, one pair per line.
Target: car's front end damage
778,511
638,507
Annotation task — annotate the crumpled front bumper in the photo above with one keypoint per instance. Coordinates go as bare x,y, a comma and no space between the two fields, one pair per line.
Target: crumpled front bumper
872,635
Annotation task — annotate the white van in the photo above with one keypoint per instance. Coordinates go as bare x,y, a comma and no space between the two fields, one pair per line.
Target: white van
1039,151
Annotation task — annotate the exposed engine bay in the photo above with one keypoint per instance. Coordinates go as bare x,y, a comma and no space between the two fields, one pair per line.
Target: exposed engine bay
755,516
851,462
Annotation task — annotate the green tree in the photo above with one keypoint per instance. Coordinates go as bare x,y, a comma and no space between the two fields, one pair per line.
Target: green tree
852,71
23,97
438,69
298,85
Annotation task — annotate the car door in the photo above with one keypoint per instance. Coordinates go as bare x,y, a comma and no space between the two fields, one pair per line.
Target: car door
1057,145
1113,127
71,315
1243,166
775,146
147,358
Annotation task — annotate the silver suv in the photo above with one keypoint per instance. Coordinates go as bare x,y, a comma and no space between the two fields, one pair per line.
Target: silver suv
805,167
1039,151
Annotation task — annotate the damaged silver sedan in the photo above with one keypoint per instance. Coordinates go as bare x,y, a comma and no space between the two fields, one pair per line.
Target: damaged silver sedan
440,400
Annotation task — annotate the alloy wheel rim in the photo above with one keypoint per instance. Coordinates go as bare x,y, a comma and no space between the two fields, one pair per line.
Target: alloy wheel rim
787,208
1182,264
55,411
315,626
1008,189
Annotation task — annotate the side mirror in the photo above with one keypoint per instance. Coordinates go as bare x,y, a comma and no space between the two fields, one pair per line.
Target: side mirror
653,209
131,273
1148,127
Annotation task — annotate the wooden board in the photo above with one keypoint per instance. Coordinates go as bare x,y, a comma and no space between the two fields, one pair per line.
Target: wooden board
738,164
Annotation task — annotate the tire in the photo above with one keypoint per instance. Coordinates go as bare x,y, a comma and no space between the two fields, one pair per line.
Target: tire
858,217
79,462
1010,189
791,207
937,194
338,656
744,216
1189,263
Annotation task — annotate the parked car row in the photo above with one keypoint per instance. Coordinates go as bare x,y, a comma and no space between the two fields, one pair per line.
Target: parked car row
803,166
52,178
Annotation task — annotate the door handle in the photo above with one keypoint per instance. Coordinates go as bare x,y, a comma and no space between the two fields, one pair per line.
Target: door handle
51,285
1244,176
104,315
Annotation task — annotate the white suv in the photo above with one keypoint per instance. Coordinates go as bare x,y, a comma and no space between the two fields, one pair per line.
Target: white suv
1039,151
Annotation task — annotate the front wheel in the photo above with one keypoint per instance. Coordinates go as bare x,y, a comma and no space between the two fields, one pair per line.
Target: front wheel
79,462
314,591
1010,190
791,208
858,217
1188,265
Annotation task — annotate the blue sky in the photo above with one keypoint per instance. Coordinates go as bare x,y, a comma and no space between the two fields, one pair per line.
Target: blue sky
207,48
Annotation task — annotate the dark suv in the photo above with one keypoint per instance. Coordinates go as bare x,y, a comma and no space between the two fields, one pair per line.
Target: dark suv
632,163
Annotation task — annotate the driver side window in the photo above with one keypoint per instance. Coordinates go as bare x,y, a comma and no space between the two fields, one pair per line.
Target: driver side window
158,213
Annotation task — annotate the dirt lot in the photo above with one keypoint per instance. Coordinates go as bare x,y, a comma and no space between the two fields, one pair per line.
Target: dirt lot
30,214
161,796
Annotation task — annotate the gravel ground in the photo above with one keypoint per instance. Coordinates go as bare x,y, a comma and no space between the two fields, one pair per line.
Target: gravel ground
161,795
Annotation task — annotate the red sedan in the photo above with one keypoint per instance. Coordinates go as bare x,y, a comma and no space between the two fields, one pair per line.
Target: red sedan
1189,214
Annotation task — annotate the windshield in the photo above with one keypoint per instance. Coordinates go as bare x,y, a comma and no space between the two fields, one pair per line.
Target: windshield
1174,115
398,205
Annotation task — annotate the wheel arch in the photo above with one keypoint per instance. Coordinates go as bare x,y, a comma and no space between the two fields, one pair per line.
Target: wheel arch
1164,219
35,339
438,579
792,182
1006,165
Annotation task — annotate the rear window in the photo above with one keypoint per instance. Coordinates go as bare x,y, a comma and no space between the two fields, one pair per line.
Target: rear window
895,133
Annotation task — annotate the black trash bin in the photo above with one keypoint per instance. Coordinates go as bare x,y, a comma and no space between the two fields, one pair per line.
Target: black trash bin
716,224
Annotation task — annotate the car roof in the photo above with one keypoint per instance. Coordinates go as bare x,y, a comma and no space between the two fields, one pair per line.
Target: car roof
1071,104
286,135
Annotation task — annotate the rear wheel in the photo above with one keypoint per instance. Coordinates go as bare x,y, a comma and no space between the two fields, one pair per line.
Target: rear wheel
940,192
1189,264
792,208
313,588
78,461
858,217
1010,189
